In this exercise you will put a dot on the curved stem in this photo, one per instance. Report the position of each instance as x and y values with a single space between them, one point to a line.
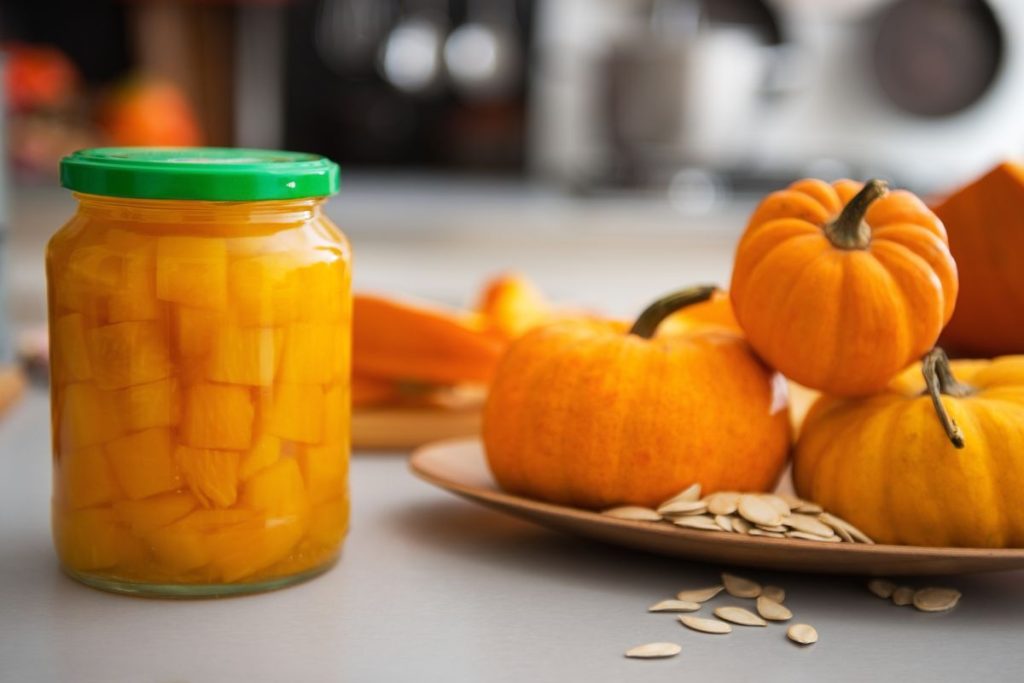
647 324
848 230
939 380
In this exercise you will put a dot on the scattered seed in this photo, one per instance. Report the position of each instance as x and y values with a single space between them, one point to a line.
777 502
809 525
803 634
837 523
792 501
705 625
809 508
740 525
844 534
902 596
813 537
633 513
691 493
774 593
724 522
683 507
883 588
758 511
674 606
696 522
739 587
778 528
772 610
936 599
654 651
768 534
723 502
738 615
699 594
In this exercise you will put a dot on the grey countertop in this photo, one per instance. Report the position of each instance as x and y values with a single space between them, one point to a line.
432 588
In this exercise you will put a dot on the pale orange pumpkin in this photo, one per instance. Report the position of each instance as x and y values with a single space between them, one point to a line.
842 286
593 414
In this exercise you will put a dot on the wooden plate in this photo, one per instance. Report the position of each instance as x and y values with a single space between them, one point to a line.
460 467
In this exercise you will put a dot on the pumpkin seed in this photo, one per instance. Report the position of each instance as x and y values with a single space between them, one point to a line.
774 593
691 493
792 501
936 599
813 537
779 529
758 511
809 508
634 513
738 615
700 594
683 507
902 596
803 634
768 534
772 610
844 534
883 588
809 525
723 502
740 525
837 523
705 625
739 587
696 522
674 606
777 502
724 521
654 651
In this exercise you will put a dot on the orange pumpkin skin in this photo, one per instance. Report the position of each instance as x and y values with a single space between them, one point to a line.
985 221
584 414
842 319
885 464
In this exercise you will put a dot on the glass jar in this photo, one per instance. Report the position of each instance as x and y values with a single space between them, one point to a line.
200 334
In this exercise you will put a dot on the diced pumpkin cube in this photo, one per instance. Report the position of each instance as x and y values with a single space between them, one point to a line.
325 471
277 491
146 515
143 463
192 271
265 452
70 355
242 551
87 416
211 475
295 412
195 330
178 548
218 416
314 353
262 291
91 539
84 478
135 298
96 269
324 289
157 404
328 522
337 414
129 353
244 355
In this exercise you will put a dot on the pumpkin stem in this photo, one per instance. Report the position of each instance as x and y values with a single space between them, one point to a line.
848 230
647 324
939 380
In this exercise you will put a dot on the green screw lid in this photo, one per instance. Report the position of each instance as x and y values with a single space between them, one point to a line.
203 173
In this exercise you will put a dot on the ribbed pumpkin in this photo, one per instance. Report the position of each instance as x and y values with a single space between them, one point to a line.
842 286
592 414
938 467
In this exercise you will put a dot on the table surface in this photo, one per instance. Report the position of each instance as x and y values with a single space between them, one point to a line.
434 588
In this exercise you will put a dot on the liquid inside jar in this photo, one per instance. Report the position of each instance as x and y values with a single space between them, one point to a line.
200 389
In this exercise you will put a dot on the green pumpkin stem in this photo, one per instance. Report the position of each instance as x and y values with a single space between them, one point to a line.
848 230
647 324
939 380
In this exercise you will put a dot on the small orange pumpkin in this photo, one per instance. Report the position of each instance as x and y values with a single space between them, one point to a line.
592 414
842 286
938 467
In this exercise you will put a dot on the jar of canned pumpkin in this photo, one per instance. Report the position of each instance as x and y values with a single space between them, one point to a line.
200 333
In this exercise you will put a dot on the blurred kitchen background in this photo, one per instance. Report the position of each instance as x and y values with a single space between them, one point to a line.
610 149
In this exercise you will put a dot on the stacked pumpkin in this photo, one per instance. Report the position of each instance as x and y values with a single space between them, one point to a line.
843 288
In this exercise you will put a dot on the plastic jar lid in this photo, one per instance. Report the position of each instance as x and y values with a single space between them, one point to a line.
202 173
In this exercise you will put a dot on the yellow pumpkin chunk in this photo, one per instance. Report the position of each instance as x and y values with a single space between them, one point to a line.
146 515
211 475
192 271
337 410
218 416
278 491
296 412
314 353
328 522
264 452
92 539
242 551
143 463
129 353
70 356
94 270
143 406
321 286
325 471
87 416
244 355
85 478
195 330
135 298
262 291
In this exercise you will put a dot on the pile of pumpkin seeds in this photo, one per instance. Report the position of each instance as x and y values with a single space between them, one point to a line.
770 608
754 514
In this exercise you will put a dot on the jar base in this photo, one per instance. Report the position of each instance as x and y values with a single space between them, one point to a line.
187 591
